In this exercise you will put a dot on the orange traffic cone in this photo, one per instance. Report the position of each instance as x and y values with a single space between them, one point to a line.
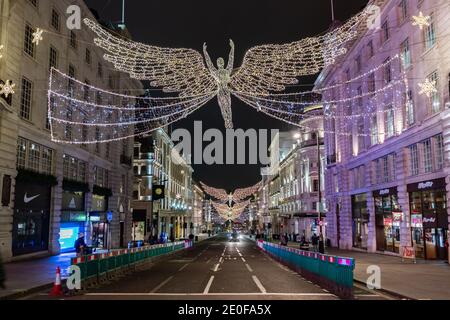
57 287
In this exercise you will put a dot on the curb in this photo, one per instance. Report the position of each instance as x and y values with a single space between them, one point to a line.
26 292
389 292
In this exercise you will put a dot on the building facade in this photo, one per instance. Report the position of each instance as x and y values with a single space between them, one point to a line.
161 164
388 151
50 191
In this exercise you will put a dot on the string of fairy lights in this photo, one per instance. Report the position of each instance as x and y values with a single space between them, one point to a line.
78 116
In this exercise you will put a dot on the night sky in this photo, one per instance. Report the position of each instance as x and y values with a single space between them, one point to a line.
190 23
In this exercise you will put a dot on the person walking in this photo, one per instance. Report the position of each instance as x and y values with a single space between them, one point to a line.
80 244
315 242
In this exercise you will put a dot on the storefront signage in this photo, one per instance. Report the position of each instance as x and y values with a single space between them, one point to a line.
72 201
32 196
429 220
425 185
98 203
385 192
408 252
398 216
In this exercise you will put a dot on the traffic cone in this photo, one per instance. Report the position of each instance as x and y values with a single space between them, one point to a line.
57 287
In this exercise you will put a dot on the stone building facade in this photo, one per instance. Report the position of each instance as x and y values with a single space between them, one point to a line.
387 178
51 191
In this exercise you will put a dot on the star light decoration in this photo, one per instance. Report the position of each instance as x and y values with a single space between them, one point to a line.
421 20
265 69
37 36
236 196
7 88
428 88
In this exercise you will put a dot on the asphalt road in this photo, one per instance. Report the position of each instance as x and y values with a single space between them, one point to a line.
214 269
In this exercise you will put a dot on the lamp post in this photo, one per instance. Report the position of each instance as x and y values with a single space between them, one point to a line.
319 170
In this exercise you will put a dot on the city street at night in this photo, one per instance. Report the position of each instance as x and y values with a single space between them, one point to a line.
208 159
215 269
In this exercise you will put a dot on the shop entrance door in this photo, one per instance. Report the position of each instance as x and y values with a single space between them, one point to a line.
441 238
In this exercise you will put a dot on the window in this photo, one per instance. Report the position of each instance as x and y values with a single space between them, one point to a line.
385 31
73 39
385 164
371 83
71 86
88 57
97 138
427 156
29 47
100 70
370 51
413 160
389 123
387 71
374 129
410 114
33 156
55 20
403 7
53 59
25 103
435 98
74 169
430 34
439 146
405 53
358 63
361 137
52 107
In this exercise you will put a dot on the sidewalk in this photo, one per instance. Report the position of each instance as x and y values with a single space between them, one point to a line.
24 276
427 279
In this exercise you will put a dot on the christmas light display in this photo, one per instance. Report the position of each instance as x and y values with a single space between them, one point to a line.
37 36
230 212
265 68
421 20
236 196
428 88
82 114
1 51
7 88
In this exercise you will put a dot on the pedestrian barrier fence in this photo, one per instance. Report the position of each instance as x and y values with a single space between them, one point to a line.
330 272
95 268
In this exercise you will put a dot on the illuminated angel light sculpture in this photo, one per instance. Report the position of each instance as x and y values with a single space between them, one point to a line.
265 69
230 212
236 196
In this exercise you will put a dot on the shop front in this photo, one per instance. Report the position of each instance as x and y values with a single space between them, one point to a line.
98 222
388 217
360 221
138 228
73 219
429 218
31 219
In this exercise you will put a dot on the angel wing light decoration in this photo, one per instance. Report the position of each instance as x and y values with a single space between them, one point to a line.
237 196
265 69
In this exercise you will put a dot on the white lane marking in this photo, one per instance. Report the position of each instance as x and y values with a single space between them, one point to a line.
248 267
183 267
216 267
259 284
243 260
161 284
208 286
221 260
210 294
209 260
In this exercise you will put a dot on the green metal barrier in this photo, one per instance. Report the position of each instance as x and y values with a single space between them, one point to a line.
96 266
331 272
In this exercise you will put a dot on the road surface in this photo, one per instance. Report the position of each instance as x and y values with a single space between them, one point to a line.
214 269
